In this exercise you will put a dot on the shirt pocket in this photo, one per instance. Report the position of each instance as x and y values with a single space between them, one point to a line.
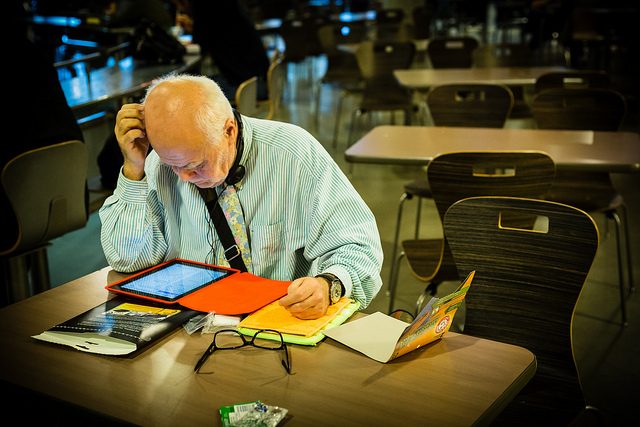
267 246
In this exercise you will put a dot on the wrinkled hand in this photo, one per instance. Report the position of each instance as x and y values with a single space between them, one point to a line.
132 139
307 298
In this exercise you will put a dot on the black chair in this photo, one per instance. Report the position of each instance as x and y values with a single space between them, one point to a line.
46 188
452 52
474 105
421 17
508 55
342 71
455 176
581 79
301 41
389 25
382 92
589 109
531 259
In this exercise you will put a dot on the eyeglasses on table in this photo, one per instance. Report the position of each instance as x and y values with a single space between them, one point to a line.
231 339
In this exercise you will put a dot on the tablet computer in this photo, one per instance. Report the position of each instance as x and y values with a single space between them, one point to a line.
171 280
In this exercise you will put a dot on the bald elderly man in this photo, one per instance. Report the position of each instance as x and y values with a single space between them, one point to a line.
304 220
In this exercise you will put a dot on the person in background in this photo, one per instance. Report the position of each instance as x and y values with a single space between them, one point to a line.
302 215
129 13
41 115
226 33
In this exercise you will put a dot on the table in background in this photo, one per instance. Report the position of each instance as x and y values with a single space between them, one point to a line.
126 78
425 78
569 149
457 381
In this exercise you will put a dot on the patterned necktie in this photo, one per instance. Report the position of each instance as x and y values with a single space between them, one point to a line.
233 213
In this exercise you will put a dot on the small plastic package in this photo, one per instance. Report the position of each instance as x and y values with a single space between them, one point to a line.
252 414
210 323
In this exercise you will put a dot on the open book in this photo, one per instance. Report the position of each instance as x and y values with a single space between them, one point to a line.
384 338
117 327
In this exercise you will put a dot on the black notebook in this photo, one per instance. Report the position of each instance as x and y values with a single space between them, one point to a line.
117 327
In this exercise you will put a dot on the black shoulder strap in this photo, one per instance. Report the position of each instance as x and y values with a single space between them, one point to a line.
231 250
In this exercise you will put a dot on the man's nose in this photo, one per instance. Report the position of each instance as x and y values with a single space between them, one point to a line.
184 174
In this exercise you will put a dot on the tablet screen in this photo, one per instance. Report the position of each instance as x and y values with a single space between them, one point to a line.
172 280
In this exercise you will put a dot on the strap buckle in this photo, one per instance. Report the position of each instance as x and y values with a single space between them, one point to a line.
234 256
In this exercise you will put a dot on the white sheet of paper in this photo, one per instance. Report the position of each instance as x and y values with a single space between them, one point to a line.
375 335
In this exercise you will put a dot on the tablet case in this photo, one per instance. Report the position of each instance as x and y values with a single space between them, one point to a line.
239 293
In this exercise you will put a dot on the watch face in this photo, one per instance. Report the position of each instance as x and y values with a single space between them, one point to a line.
336 291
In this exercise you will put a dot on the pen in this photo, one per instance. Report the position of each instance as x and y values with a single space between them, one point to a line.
203 358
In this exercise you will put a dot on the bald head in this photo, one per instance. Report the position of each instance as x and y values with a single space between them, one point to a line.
183 109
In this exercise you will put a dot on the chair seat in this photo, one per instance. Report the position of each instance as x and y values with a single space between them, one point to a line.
418 188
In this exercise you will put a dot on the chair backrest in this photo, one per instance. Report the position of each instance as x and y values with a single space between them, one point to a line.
276 80
296 37
525 290
246 98
452 52
421 17
333 34
340 63
573 80
503 55
481 105
378 59
392 15
579 109
456 176
389 25
46 190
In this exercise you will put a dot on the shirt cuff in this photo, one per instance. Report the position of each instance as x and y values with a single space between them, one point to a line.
131 191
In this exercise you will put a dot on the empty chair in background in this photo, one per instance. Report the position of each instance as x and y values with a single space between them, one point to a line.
342 70
389 25
472 105
597 110
46 190
452 52
508 55
581 79
455 176
382 92
421 17
246 99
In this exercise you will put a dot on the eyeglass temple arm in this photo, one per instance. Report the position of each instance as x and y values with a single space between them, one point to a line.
204 357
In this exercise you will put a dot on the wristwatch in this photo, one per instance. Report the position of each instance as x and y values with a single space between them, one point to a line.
336 289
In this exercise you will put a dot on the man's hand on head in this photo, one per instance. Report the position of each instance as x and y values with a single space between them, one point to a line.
132 139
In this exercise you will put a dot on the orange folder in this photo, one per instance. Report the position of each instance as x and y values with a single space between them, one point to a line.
201 287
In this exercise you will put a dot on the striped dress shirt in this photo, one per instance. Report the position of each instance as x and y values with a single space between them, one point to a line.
302 214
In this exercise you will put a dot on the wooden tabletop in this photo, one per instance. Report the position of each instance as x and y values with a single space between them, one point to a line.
457 381
578 150
424 78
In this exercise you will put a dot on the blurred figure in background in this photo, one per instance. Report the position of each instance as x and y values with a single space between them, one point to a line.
226 33
41 115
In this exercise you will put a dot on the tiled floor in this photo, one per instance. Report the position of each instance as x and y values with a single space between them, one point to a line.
606 353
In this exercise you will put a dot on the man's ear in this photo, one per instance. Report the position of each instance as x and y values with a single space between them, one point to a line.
230 128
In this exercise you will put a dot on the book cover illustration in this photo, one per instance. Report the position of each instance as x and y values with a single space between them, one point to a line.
117 327
384 338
